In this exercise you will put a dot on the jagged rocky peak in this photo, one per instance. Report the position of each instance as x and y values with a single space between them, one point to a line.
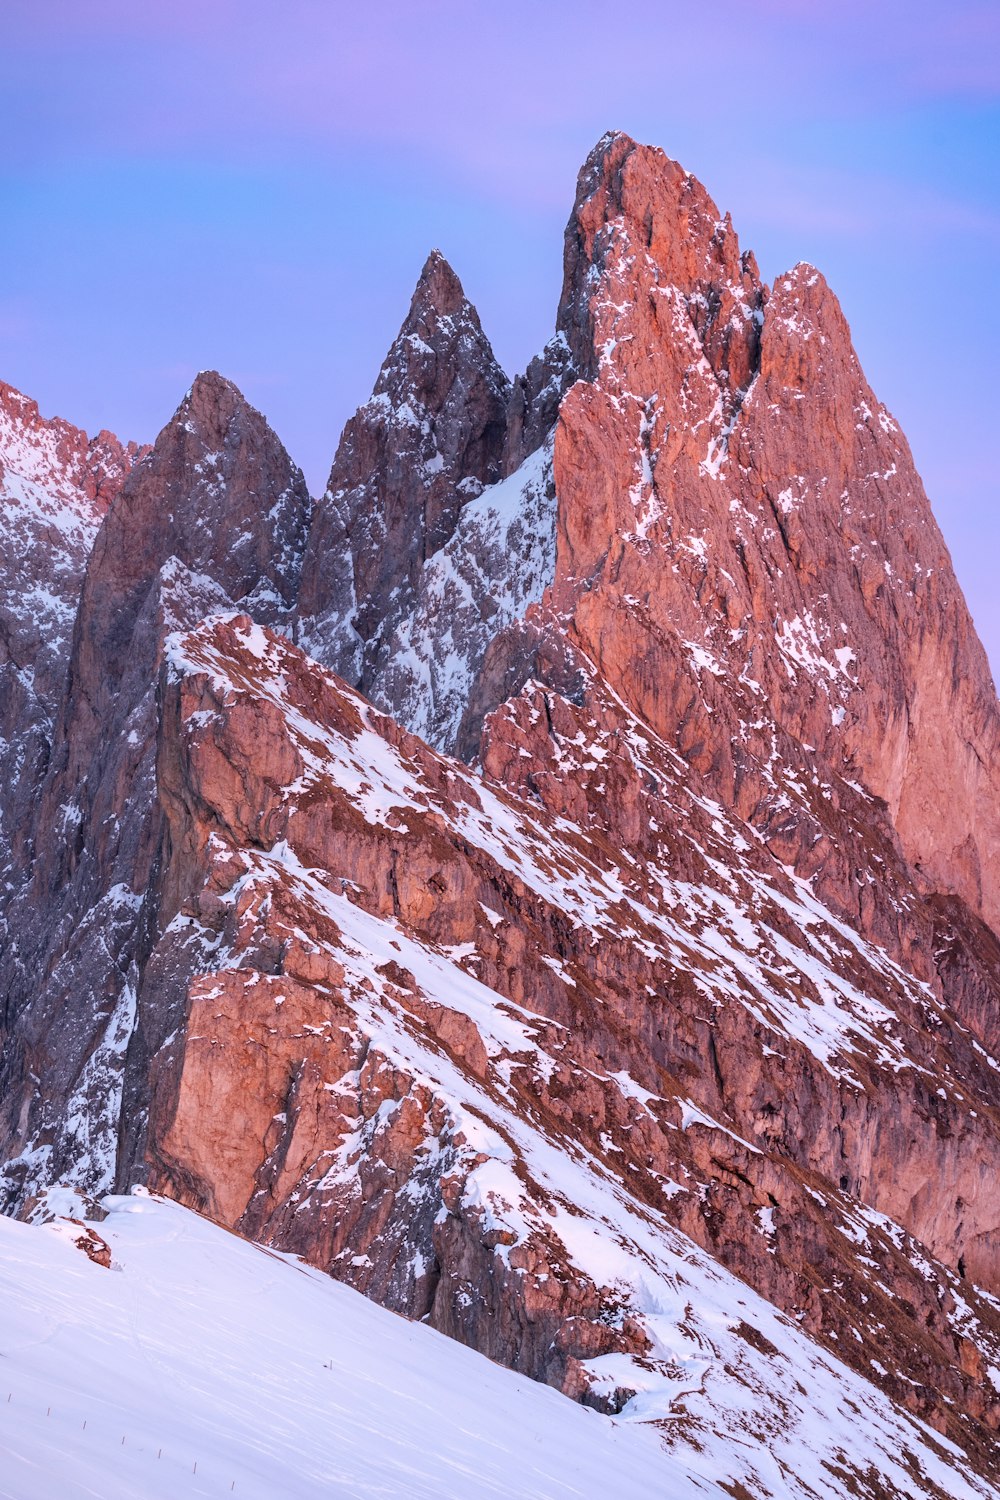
217 513
427 441
741 534
216 516
450 396
55 486
681 985
439 357
238 506
60 459
437 295
443 422
643 227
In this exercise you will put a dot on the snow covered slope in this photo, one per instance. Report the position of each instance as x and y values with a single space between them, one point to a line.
409 1060
498 562
231 1370
201 1365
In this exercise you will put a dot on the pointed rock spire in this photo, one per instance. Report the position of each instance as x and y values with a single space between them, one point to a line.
216 516
428 440
647 248
438 291
725 461
219 494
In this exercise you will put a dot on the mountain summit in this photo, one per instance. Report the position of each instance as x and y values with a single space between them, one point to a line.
551 884
429 439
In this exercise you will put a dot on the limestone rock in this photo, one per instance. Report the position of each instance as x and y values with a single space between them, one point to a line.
216 514
740 529
430 438
55 486
382 974
688 971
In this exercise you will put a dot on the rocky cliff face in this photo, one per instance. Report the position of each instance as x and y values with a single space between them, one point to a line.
652 1049
758 549
55 486
437 529
430 439
423 1014
216 514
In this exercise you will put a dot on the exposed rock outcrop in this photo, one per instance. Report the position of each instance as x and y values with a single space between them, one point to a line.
437 529
742 540
55 487
217 514
698 964
397 1004
430 438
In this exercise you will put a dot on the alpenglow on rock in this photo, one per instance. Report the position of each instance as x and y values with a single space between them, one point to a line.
551 884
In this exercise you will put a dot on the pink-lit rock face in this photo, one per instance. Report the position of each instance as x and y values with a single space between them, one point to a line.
742 536
687 968
400 1006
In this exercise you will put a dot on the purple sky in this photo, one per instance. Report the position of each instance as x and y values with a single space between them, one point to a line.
253 186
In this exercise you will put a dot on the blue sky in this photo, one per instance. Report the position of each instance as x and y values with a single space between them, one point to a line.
253 187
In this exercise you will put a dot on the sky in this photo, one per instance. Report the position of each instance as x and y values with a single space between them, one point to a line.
252 187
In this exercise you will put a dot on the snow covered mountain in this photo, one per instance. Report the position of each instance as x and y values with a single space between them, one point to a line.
603 968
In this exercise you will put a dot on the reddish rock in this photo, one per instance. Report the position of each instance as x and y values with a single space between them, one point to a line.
695 977
93 1246
741 532
704 1049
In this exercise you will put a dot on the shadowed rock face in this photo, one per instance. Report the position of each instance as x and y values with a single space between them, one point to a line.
220 496
697 968
430 439
438 526
55 487
216 514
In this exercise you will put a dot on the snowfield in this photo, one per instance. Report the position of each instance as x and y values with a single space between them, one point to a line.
228 1369
202 1365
